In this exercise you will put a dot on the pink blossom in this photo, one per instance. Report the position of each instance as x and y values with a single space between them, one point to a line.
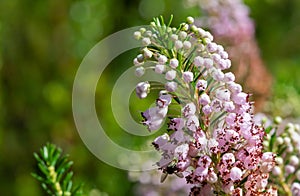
188 110
192 123
240 98
207 109
201 85
223 94
161 140
176 124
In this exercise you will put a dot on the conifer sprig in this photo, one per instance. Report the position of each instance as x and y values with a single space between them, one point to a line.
54 172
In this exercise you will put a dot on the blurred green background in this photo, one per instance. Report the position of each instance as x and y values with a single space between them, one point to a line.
42 44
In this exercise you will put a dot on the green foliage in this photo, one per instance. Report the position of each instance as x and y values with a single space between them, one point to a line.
54 172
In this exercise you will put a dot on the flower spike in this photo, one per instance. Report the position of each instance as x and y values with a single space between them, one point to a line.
213 142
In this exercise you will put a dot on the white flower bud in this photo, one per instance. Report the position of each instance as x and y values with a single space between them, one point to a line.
212 177
190 20
162 59
240 98
276 171
136 62
229 106
217 74
188 76
223 94
139 71
200 47
223 54
198 61
294 160
137 35
174 37
140 58
229 77
174 63
171 86
236 173
182 35
206 40
178 44
212 47
216 57
208 63
204 99
142 30
289 169
220 49
187 45
159 68
209 36
277 120
170 75
279 160
287 140
279 140
201 32
289 125
148 33
234 87
146 41
224 64
147 53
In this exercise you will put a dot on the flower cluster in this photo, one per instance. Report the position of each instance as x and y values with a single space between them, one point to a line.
212 140
284 139
231 25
